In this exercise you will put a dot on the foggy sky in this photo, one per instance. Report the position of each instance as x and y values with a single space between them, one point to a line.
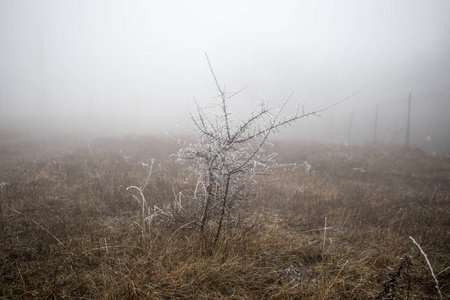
135 66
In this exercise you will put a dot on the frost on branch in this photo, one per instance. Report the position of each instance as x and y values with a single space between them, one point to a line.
230 152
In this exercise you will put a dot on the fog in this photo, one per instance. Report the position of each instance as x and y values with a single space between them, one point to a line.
120 67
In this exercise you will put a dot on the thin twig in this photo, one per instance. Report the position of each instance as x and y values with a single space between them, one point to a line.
324 237
149 174
448 268
213 74
429 266
40 226
334 281
106 246
235 93
434 193
340 101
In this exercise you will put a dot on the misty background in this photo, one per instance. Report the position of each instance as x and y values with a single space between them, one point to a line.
119 67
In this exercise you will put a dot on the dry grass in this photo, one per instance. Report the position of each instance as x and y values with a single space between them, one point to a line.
75 235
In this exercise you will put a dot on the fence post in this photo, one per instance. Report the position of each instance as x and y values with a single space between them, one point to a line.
409 119
376 125
350 129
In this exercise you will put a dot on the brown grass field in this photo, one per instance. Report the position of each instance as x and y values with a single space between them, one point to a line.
70 229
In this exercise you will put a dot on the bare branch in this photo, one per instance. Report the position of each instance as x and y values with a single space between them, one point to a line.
213 74
340 101
40 226
429 266
235 93
230 152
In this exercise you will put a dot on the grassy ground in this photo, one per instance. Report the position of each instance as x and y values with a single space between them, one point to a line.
70 229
